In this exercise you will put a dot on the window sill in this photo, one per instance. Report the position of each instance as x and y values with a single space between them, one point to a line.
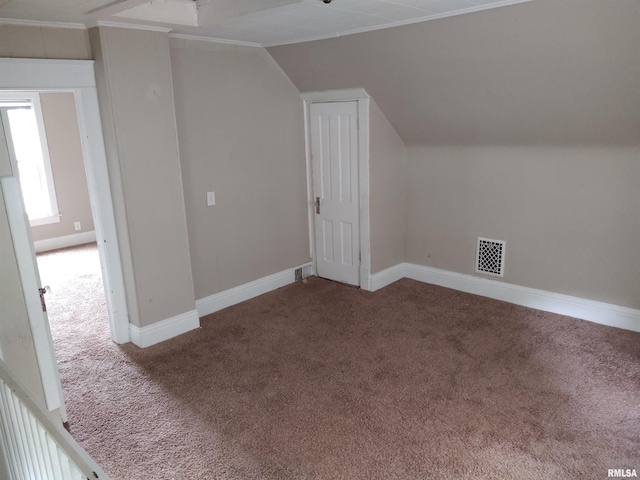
36 222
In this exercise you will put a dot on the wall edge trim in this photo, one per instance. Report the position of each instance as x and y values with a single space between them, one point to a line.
184 36
164 329
388 276
64 241
593 311
133 26
42 23
226 298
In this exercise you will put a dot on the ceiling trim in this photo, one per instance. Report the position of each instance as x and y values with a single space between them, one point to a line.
40 23
134 26
214 40
426 18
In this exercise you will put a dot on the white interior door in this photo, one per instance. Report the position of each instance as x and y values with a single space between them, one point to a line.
334 159
28 268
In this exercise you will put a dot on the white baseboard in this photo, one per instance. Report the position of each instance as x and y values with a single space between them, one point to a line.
65 241
597 312
218 301
387 277
164 330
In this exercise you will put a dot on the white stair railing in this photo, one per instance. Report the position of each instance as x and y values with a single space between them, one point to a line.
35 447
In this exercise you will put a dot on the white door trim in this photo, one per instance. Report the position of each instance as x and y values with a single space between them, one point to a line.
362 97
78 76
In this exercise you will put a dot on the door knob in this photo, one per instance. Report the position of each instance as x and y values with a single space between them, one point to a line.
316 204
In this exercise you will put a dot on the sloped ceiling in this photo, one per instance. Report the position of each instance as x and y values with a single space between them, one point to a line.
545 72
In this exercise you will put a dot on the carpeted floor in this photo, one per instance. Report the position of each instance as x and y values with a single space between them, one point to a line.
324 381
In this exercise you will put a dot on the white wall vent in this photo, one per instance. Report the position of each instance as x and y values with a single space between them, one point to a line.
490 257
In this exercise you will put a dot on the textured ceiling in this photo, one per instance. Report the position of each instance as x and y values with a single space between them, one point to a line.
260 22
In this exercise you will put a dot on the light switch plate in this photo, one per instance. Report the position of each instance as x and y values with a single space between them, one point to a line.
211 198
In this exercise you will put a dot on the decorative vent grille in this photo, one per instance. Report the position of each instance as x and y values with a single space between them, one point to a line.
490 259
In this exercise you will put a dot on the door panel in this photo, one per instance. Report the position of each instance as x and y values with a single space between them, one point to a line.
327 241
347 243
30 279
28 268
334 150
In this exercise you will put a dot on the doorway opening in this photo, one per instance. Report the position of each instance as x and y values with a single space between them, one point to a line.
346 239
77 78
45 150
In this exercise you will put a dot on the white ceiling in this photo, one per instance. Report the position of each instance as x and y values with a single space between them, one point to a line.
246 21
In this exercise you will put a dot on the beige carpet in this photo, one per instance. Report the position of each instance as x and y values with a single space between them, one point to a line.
323 381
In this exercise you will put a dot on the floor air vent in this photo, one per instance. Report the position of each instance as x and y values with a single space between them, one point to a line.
490 259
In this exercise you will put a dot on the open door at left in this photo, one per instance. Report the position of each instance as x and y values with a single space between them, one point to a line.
19 232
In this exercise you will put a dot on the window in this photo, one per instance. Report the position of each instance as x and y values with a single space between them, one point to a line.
27 142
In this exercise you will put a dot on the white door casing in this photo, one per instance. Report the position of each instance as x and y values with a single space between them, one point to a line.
334 158
77 76
361 97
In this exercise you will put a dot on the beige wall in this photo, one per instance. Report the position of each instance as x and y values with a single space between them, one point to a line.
388 186
116 182
22 41
136 102
16 339
67 165
240 125
521 124
537 73
570 216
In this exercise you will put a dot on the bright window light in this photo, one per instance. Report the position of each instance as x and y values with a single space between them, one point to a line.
27 146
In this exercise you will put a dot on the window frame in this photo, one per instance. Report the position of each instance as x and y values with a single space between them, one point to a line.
34 99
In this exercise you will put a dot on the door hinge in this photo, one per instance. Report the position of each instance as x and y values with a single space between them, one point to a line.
42 291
